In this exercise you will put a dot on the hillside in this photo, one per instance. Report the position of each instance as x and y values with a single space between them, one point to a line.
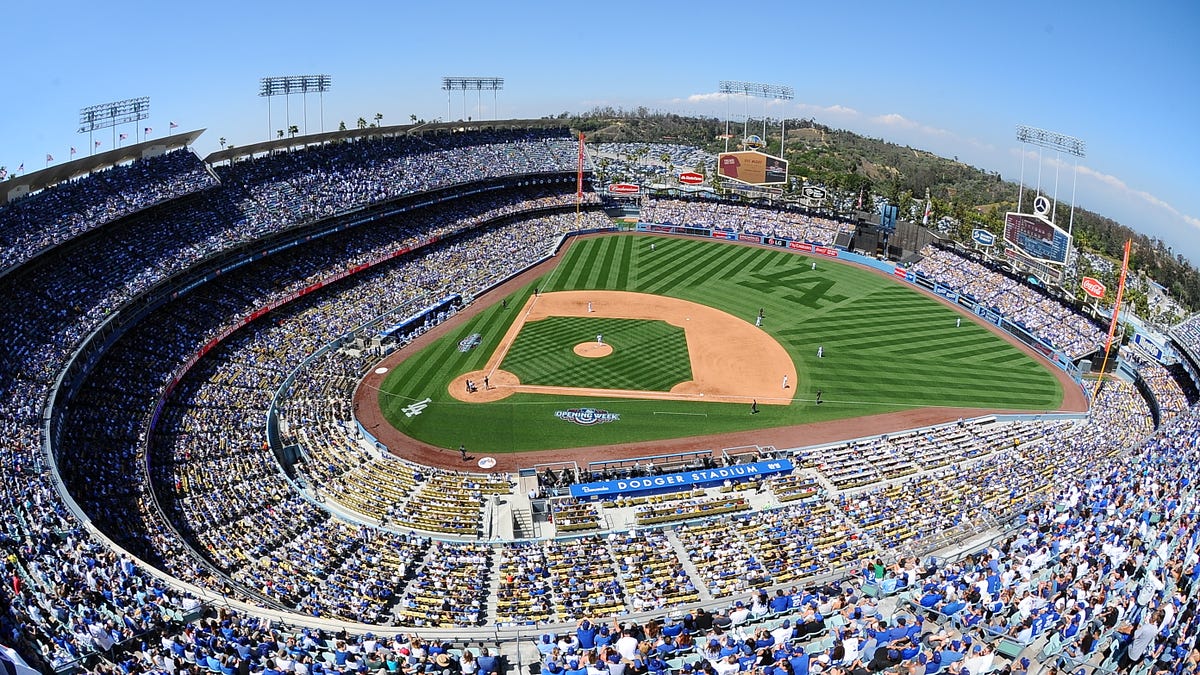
853 164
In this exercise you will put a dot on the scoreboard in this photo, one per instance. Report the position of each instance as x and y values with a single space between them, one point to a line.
752 167
1037 237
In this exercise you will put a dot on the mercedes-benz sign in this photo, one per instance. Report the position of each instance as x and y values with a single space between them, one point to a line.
813 192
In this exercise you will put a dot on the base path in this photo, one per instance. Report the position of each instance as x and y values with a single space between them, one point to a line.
732 360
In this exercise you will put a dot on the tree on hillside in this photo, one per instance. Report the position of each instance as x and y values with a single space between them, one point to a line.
362 123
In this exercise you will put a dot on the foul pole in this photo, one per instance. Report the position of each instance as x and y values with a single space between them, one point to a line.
1112 328
579 182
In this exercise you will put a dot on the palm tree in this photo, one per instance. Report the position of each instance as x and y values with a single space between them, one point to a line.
362 123
378 119
279 133
221 140
342 125
293 130
413 118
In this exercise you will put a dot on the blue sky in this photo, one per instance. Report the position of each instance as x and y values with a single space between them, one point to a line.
951 77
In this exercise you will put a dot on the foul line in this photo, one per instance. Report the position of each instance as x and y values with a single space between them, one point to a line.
661 412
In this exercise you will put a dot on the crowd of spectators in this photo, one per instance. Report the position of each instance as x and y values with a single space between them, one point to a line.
767 222
221 489
1044 317
645 162
1187 333
52 307
39 221
1163 385
1116 532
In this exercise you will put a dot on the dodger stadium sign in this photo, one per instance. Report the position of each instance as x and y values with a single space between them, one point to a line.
586 416
671 481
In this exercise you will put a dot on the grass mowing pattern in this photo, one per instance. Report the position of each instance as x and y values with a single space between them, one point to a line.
887 347
647 355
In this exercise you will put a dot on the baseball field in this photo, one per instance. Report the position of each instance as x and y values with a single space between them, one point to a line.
634 338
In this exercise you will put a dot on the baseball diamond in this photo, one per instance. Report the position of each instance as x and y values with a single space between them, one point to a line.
544 354
886 349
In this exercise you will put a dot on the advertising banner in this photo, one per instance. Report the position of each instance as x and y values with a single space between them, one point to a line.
753 168
700 477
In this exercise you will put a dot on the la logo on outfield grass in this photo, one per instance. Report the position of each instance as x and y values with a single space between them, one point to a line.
416 408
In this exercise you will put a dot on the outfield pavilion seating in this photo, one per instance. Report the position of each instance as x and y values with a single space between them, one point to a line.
1167 392
643 162
1046 318
798 225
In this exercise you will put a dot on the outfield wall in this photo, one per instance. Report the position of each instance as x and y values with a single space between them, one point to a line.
1013 328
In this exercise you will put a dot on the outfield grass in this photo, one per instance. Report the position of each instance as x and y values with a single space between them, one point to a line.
887 347
647 355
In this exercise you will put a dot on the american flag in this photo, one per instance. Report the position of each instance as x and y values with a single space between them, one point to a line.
21 168
124 136
72 150
148 130
97 144
49 158
3 173
174 126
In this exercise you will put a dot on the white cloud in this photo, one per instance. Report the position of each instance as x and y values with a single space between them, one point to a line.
1118 184
835 110
711 97
898 121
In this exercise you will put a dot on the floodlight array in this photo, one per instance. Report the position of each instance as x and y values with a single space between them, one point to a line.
107 115
758 89
1051 140
294 84
472 83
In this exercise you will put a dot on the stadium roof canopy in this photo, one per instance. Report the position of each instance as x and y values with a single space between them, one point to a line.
19 186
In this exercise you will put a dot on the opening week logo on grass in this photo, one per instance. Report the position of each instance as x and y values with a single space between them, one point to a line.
586 416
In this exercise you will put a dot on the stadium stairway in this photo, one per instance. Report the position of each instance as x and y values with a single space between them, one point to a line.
689 566
522 527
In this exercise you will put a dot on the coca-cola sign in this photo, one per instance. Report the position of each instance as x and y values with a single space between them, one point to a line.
691 178
1093 287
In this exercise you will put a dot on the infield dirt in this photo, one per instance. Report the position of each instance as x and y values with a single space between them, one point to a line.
732 360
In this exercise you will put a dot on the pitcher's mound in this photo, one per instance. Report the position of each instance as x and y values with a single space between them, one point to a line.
593 350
